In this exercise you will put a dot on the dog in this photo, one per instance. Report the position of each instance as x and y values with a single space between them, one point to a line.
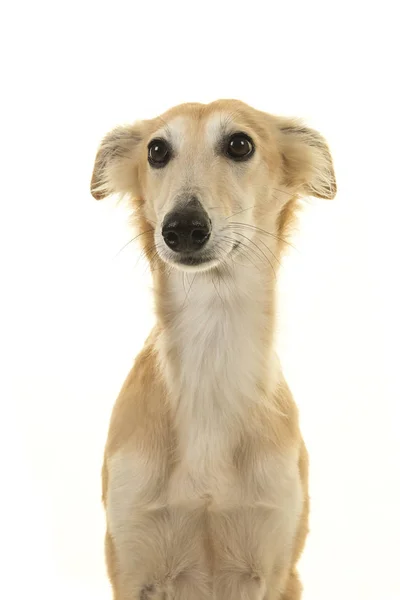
205 469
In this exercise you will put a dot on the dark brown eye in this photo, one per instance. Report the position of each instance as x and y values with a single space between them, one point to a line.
240 146
158 153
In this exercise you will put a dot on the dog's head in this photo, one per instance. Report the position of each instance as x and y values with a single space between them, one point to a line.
207 180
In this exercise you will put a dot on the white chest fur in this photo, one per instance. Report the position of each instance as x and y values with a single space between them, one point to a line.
220 338
218 335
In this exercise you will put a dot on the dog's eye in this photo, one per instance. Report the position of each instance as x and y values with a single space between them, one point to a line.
158 153
240 146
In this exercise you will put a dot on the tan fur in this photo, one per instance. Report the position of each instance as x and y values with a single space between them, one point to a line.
205 470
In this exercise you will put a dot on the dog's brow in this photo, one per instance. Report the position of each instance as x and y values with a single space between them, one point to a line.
217 125
173 131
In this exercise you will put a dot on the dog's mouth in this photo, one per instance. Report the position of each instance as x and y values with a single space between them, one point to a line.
192 262
199 261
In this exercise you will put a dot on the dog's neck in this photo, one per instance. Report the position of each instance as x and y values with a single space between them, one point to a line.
216 340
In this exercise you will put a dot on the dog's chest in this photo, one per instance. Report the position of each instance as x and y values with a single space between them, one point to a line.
216 482
218 340
213 358
265 494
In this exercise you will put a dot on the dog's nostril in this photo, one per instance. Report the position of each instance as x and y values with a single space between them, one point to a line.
199 236
171 238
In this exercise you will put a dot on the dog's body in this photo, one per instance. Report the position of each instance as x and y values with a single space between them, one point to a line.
205 470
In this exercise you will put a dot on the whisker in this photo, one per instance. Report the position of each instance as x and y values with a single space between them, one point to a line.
143 253
135 216
188 292
154 256
269 250
132 240
167 127
248 253
263 231
219 295
239 212
284 192
259 249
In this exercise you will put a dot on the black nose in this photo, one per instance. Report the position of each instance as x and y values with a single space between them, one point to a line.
187 228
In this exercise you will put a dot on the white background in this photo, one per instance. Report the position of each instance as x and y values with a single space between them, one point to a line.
74 314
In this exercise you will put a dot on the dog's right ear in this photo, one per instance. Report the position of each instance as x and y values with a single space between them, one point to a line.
308 166
116 164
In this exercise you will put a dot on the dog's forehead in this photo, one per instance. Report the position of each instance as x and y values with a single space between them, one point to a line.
206 128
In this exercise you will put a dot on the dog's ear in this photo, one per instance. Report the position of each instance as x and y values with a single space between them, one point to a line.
116 164
307 161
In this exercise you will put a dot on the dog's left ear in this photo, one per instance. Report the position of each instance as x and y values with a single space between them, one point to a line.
308 166
116 164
